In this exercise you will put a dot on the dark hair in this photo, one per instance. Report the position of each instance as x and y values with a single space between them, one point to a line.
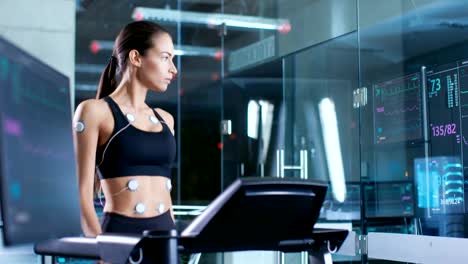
134 36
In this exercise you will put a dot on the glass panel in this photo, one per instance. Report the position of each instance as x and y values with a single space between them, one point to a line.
321 127
251 100
320 123
252 89
286 108
199 93
413 63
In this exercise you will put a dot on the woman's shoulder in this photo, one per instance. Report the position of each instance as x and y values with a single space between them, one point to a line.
167 118
92 107
165 115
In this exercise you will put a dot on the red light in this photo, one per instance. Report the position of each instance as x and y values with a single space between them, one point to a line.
218 55
138 16
215 76
233 136
94 47
220 146
284 29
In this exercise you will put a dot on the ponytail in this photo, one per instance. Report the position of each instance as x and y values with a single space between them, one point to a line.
108 82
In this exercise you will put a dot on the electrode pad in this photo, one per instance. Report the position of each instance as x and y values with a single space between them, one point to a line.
161 207
140 208
168 185
154 120
132 185
79 126
130 117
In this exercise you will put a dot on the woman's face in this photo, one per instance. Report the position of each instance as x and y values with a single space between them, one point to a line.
157 68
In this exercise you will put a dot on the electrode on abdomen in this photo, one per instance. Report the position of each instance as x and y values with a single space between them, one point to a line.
132 185
140 208
168 185
161 207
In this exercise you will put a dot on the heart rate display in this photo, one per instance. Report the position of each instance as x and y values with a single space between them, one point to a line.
445 127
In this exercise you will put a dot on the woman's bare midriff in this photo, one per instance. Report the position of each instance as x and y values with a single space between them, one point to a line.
152 190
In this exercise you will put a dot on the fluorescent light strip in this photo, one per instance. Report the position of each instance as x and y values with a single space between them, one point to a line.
252 119
86 87
332 144
89 68
192 210
189 207
210 19
185 50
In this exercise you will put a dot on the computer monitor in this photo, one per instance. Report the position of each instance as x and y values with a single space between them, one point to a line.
39 194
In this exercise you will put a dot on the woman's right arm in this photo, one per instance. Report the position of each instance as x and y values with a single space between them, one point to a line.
86 142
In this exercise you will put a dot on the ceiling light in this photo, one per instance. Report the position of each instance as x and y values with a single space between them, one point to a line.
211 19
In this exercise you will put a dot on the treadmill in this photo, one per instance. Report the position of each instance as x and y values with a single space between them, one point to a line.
274 214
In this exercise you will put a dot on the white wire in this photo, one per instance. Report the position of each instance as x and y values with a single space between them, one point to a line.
102 160
119 192
329 250
107 145
130 258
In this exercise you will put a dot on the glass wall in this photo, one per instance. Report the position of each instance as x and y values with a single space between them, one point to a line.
412 58
321 126
252 88
288 98
392 75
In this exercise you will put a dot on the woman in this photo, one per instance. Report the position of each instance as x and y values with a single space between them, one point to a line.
129 145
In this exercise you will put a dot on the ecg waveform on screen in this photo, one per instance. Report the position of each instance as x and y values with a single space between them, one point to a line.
400 111
397 110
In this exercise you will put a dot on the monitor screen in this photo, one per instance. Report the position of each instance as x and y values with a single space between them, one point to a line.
397 110
440 184
39 194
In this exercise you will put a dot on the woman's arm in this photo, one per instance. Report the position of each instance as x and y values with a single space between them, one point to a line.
87 113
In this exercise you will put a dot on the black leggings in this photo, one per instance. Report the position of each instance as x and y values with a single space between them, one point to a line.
117 223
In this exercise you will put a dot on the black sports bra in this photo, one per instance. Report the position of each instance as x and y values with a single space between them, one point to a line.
131 151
